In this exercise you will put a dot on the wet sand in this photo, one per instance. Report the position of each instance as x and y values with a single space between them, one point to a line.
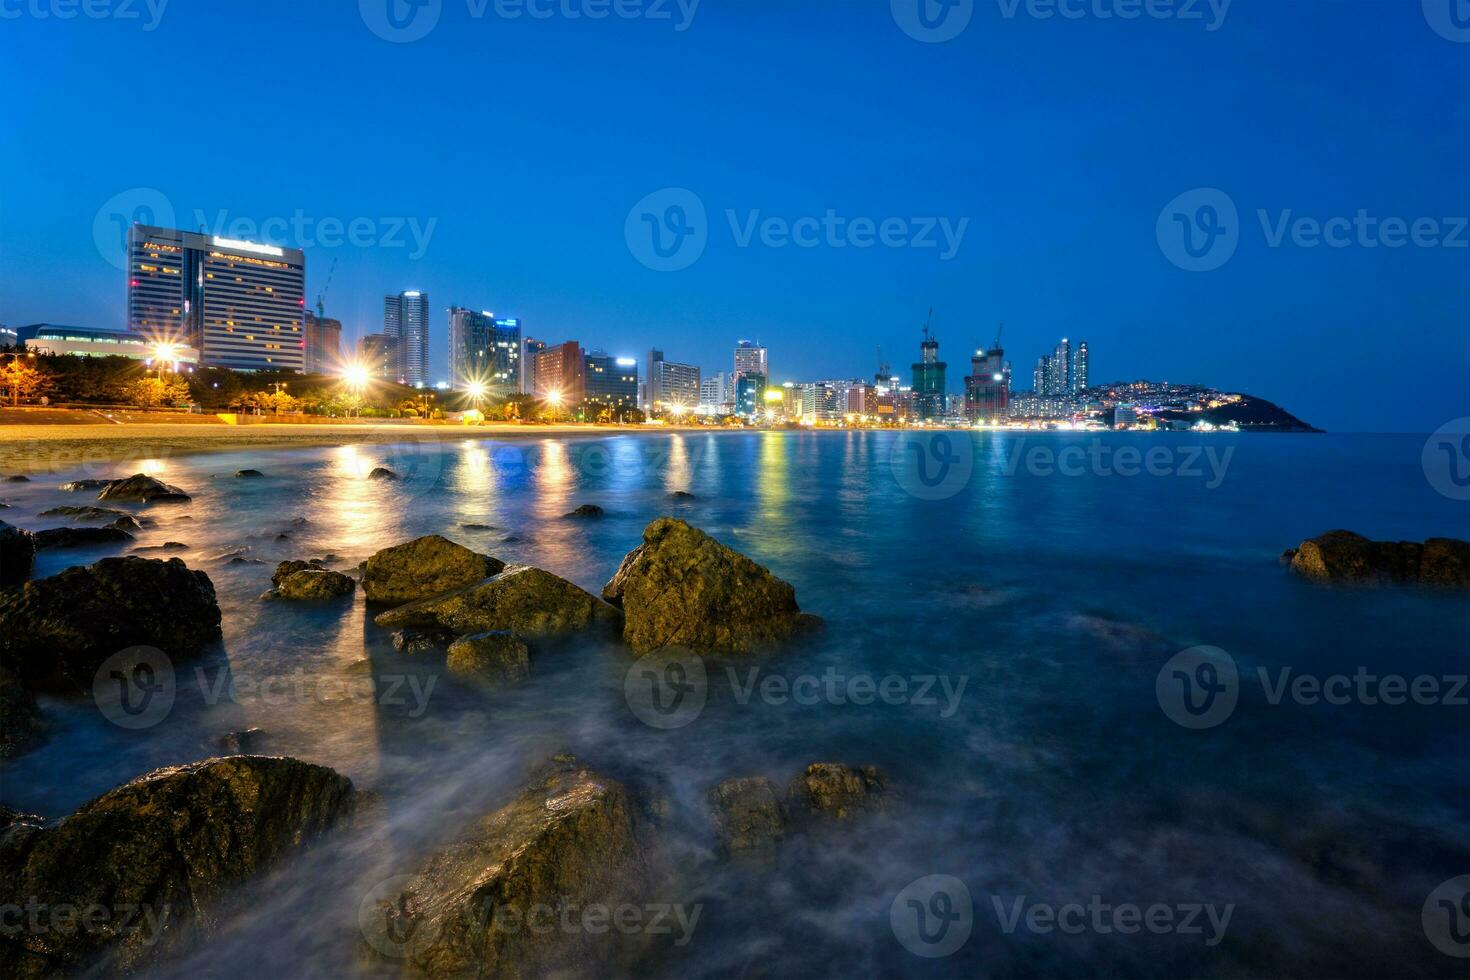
43 449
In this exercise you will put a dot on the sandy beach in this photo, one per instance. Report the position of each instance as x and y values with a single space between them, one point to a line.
43 449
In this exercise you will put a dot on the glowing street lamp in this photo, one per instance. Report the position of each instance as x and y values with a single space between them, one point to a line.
356 376
166 354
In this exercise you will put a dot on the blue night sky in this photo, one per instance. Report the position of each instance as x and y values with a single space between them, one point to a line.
526 142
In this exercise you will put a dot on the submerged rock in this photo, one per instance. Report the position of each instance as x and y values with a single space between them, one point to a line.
128 522
1345 557
57 631
171 844
499 657
315 585
144 489
419 641
20 721
747 814
837 792
287 568
248 474
682 588
567 842
78 537
76 486
247 742
18 478
423 568
587 510
17 555
525 600
85 513
166 546
382 473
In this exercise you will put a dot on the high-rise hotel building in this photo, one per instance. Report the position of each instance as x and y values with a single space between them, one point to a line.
406 316
240 304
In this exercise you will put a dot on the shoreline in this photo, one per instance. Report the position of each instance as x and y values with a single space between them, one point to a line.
44 448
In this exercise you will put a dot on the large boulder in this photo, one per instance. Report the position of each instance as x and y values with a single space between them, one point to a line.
55 632
833 791
166 849
20 722
423 568
569 842
143 489
17 555
85 513
525 600
314 585
1345 557
747 814
499 657
682 588
79 537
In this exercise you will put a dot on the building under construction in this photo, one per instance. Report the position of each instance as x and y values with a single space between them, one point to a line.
929 383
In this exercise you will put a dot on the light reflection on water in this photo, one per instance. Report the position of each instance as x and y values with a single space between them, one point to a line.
1057 777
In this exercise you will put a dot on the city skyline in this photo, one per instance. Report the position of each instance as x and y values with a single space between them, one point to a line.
1061 238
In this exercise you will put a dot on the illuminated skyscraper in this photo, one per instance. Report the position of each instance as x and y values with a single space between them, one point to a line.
240 304
671 383
929 380
406 316
751 359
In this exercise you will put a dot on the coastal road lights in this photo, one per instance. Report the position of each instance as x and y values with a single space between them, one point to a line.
554 399
166 355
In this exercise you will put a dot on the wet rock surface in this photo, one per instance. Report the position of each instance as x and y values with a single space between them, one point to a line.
382 473
747 813
682 588
494 658
85 513
524 600
587 510
420 641
55 632
17 555
829 790
569 839
423 568
172 844
20 720
144 489
1346 557
315 585
78 537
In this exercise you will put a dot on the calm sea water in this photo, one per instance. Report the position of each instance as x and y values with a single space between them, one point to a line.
1053 776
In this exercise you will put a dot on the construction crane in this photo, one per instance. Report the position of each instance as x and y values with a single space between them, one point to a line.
321 297
1000 328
